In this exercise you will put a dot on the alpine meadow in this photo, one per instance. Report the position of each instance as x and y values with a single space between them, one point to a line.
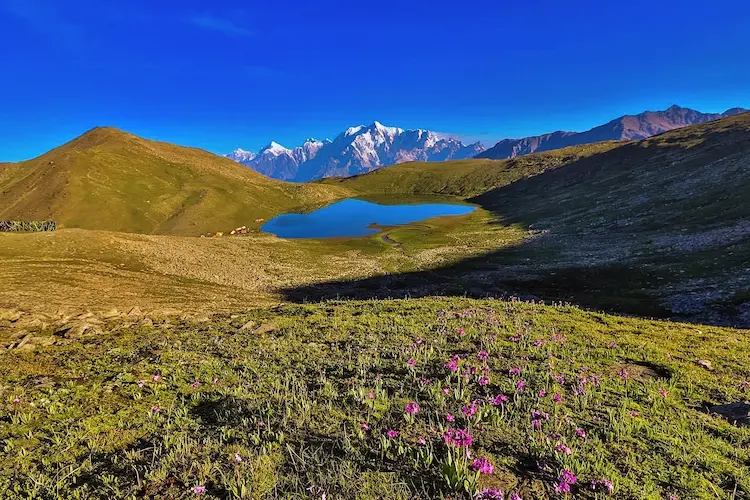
559 315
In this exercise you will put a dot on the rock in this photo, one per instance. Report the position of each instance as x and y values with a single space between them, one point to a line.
135 312
11 316
147 322
24 341
248 326
705 364
112 313
77 329
265 328
736 413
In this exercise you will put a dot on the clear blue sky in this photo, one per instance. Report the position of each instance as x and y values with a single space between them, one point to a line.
226 73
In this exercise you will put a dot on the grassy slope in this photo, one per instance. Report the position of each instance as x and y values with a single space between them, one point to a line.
288 395
108 179
674 206
463 178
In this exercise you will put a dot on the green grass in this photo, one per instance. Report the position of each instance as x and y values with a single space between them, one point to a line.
462 178
111 180
288 395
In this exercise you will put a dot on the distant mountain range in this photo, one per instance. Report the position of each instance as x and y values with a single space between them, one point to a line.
357 150
628 127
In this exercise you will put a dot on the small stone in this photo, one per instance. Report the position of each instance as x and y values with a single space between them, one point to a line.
135 312
112 313
705 364
248 326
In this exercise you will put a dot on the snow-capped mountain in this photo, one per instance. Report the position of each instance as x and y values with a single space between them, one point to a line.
241 156
355 151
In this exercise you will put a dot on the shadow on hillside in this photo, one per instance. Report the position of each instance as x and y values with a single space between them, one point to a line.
542 269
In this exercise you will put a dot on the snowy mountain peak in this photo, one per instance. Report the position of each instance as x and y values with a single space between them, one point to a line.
357 150
353 130
275 149
240 155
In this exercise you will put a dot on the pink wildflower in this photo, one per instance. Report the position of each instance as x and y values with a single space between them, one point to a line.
391 433
567 476
411 408
425 381
461 331
370 395
450 418
364 427
237 458
141 383
515 496
634 413
520 385
446 391
469 410
483 355
542 393
623 373
411 363
562 488
557 398
195 384
483 465
156 378
16 401
483 380
663 393
199 490
500 399
458 438
490 494
581 433
561 448
155 409
422 441
515 371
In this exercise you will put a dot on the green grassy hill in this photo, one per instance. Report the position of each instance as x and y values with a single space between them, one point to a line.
462 178
109 179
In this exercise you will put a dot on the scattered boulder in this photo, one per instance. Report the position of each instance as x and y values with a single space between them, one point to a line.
77 329
248 326
735 413
266 328
705 364
112 313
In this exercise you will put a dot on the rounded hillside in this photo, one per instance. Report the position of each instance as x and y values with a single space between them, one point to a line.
113 180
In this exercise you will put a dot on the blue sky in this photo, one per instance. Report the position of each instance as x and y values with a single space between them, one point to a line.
231 73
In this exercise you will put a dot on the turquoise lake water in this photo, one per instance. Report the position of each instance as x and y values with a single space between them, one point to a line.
354 217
